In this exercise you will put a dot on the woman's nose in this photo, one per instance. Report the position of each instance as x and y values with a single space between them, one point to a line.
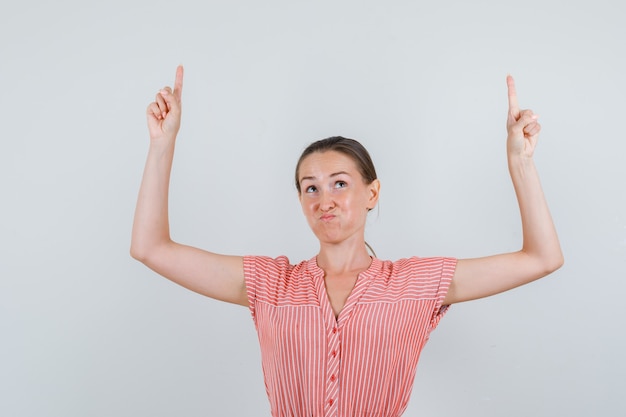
326 201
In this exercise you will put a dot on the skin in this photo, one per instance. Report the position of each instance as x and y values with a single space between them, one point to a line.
541 252
335 200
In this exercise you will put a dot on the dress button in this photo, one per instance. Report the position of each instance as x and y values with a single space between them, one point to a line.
331 401
334 330
333 353
333 378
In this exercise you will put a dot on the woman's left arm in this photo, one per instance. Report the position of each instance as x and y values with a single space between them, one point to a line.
541 252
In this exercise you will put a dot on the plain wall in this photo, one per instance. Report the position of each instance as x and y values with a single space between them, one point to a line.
87 331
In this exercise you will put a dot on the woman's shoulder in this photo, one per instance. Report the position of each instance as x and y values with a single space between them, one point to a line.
415 266
416 261
275 280
414 277
279 265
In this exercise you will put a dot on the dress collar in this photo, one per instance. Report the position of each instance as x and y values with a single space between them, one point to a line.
360 287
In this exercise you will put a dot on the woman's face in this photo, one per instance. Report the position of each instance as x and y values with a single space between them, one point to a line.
334 197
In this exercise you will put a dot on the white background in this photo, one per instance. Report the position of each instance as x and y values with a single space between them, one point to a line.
87 331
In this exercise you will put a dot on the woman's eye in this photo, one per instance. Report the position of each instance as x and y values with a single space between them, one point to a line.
340 184
311 189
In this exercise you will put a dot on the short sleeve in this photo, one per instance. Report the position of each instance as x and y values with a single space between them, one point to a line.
262 276
250 277
448 266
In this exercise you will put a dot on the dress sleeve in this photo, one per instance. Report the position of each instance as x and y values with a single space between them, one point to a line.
448 266
250 276
263 276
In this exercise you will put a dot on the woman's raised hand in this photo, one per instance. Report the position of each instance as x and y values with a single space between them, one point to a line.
165 111
522 126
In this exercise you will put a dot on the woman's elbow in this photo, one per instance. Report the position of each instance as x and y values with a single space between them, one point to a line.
553 262
149 252
140 251
137 253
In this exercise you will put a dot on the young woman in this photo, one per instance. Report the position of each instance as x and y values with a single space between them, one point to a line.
341 333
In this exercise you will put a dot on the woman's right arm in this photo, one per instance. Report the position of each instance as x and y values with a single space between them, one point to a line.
216 276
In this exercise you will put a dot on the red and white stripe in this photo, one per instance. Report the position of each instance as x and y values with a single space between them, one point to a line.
361 363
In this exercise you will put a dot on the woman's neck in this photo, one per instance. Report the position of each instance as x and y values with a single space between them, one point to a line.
341 258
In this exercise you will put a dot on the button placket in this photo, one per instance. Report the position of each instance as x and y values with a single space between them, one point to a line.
334 325
332 372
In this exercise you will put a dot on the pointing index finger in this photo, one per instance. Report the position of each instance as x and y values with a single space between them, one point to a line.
178 83
513 106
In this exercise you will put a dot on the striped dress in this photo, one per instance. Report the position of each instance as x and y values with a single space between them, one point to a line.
361 363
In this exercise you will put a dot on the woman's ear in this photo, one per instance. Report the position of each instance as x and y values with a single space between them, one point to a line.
374 190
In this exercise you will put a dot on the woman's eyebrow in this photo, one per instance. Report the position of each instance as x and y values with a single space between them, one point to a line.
334 174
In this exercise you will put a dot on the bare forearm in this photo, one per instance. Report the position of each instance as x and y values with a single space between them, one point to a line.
540 240
541 251
151 224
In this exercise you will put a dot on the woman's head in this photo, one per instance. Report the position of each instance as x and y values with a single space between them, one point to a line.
337 187
349 147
